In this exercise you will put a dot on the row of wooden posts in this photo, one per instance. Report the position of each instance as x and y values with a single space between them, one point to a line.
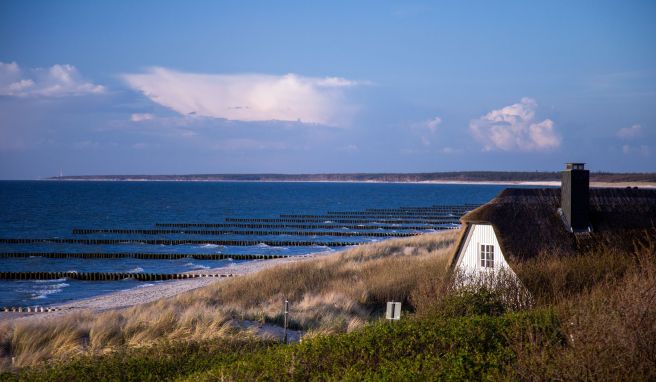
302 226
29 309
105 276
371 217
332 219
237 243
143 256
455 207
396 213
129 231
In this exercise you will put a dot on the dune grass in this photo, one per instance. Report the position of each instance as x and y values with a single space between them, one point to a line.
336 293
589 317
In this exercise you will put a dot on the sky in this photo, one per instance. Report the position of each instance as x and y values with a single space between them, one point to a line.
198 87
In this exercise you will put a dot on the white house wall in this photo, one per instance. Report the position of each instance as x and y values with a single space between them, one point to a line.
469 257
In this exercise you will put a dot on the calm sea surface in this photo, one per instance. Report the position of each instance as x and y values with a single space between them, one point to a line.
51 209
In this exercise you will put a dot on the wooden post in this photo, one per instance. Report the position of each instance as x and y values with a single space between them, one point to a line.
286 312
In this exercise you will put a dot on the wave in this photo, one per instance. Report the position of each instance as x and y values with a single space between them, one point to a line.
44 290
263 245
136 270
196 266
50 281
210 246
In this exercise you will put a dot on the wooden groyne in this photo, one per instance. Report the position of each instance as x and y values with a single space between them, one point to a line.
361 227
237 243
446 208
142 256
28 309
427 214
332 219
441 218
85 231
104 276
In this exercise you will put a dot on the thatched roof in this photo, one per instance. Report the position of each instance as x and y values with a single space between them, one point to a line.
527 222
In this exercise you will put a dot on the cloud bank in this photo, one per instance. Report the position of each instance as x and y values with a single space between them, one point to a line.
630 132
514 128
56 81
246 97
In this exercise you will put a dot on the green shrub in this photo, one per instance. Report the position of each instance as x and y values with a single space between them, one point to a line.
163 361
471 303
473 347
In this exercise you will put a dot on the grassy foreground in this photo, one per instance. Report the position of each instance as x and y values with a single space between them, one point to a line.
591 317
332 294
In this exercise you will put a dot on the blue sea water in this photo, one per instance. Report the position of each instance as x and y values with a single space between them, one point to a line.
51 209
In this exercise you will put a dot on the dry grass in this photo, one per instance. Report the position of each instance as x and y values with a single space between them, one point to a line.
336 293
330 292
610 330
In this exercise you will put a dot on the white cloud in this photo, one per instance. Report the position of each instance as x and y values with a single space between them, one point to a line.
246 97
642 150
514 128
56 81
630 132
140 117
433 124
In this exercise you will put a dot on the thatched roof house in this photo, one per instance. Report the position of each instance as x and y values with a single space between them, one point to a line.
523 223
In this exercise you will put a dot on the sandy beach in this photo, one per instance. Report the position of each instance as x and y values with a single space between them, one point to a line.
151 292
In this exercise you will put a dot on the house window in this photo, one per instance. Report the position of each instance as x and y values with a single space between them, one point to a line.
487 256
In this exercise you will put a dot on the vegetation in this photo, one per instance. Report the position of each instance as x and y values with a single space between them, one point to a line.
336 293
590 317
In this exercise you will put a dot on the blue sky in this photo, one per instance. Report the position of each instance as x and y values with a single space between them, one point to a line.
155 87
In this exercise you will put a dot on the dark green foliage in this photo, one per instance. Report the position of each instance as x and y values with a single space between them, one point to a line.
164 361
471 303
437 348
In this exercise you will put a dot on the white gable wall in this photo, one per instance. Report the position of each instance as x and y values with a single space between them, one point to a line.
469 258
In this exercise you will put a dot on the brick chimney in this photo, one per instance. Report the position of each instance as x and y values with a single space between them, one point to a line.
575 197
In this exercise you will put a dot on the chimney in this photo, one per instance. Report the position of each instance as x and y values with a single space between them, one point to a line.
575 197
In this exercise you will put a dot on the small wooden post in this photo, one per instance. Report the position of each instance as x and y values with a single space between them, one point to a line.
286 313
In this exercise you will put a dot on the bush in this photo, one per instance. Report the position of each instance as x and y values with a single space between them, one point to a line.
163 361
470 303
474 347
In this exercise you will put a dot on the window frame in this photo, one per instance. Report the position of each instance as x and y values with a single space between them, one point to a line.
486 255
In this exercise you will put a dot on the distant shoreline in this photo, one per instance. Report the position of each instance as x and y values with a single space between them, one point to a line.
620 184
536 178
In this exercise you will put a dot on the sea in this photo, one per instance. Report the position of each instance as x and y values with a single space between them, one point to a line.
52 209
